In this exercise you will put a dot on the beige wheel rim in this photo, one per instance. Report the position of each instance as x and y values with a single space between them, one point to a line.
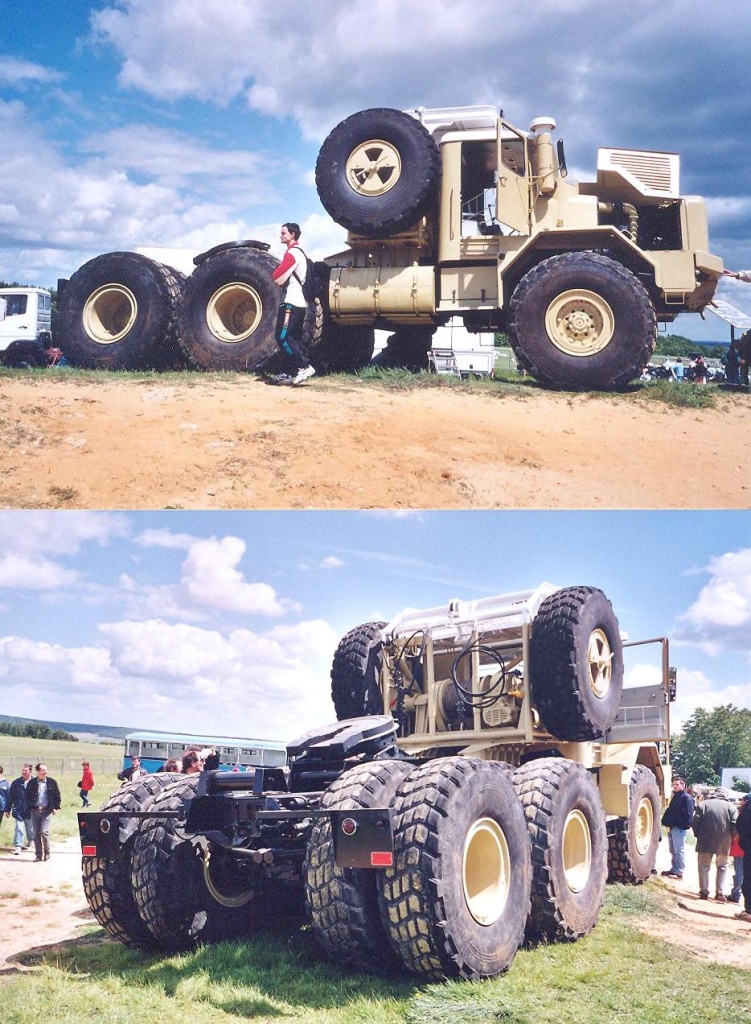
224 899
374 168
486 871
234 312
600 658
580 322
577 851
643 825
109 313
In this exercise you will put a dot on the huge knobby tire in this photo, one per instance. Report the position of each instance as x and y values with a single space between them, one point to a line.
355 671
343 348
107 883
227 315
582 321
378 172
633 841
117 312
457 899
343 902
566 823
407 349
576 663
169 882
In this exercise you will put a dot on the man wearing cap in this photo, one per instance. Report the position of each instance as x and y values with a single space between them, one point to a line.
677 820
713 823
43 798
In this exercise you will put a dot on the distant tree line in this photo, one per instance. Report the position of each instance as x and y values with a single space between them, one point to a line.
677 345
710 741
36 731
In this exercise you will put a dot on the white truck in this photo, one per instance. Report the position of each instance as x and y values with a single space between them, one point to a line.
25 326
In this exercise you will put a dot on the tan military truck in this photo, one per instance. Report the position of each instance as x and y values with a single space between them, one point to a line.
488 772
450 212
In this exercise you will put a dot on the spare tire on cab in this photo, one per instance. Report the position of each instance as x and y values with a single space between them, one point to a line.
378 172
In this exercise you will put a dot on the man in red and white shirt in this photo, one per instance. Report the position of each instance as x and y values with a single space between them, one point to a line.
290 274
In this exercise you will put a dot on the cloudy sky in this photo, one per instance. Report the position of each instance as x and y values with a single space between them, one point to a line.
185 123
227 622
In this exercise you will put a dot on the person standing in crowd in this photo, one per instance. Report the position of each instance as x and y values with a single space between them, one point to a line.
736 852
17 808
43 798
86 784
134 772
677 820
743 831
291 274
192 762
713 823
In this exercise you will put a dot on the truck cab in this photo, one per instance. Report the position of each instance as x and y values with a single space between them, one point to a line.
25 326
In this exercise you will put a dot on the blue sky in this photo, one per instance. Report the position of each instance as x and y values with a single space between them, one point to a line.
185 123
227 622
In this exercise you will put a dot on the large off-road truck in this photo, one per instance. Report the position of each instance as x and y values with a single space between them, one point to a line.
450 212
487 773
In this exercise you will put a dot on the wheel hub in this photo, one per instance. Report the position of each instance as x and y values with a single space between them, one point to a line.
580 322
224 896
109 313
643 826
234 312
577 851
373 168
486 871
600 658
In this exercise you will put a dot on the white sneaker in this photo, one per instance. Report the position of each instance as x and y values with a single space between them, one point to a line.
303 374
17 851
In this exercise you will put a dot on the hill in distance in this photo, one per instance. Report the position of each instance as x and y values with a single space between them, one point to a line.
84 731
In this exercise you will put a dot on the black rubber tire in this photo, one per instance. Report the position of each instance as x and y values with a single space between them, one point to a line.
407 348
226 318
396 196
577 698
117 312
633 842
167 878
355 687
343 349
107 883
634 324
459 830
342 903
566 895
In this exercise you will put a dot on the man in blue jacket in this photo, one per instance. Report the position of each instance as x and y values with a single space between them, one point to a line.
16 807
677 820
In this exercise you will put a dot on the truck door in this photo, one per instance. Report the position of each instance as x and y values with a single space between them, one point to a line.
512 190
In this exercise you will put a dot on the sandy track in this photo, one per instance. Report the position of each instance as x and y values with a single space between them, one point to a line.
212 442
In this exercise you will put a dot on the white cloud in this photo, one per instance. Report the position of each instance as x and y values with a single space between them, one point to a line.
33 573
33 545
180 677
720 617
15 72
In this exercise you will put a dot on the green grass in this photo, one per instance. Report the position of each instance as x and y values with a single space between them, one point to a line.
617 974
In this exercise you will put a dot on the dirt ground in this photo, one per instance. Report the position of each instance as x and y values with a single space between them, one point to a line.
210 442
42 905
